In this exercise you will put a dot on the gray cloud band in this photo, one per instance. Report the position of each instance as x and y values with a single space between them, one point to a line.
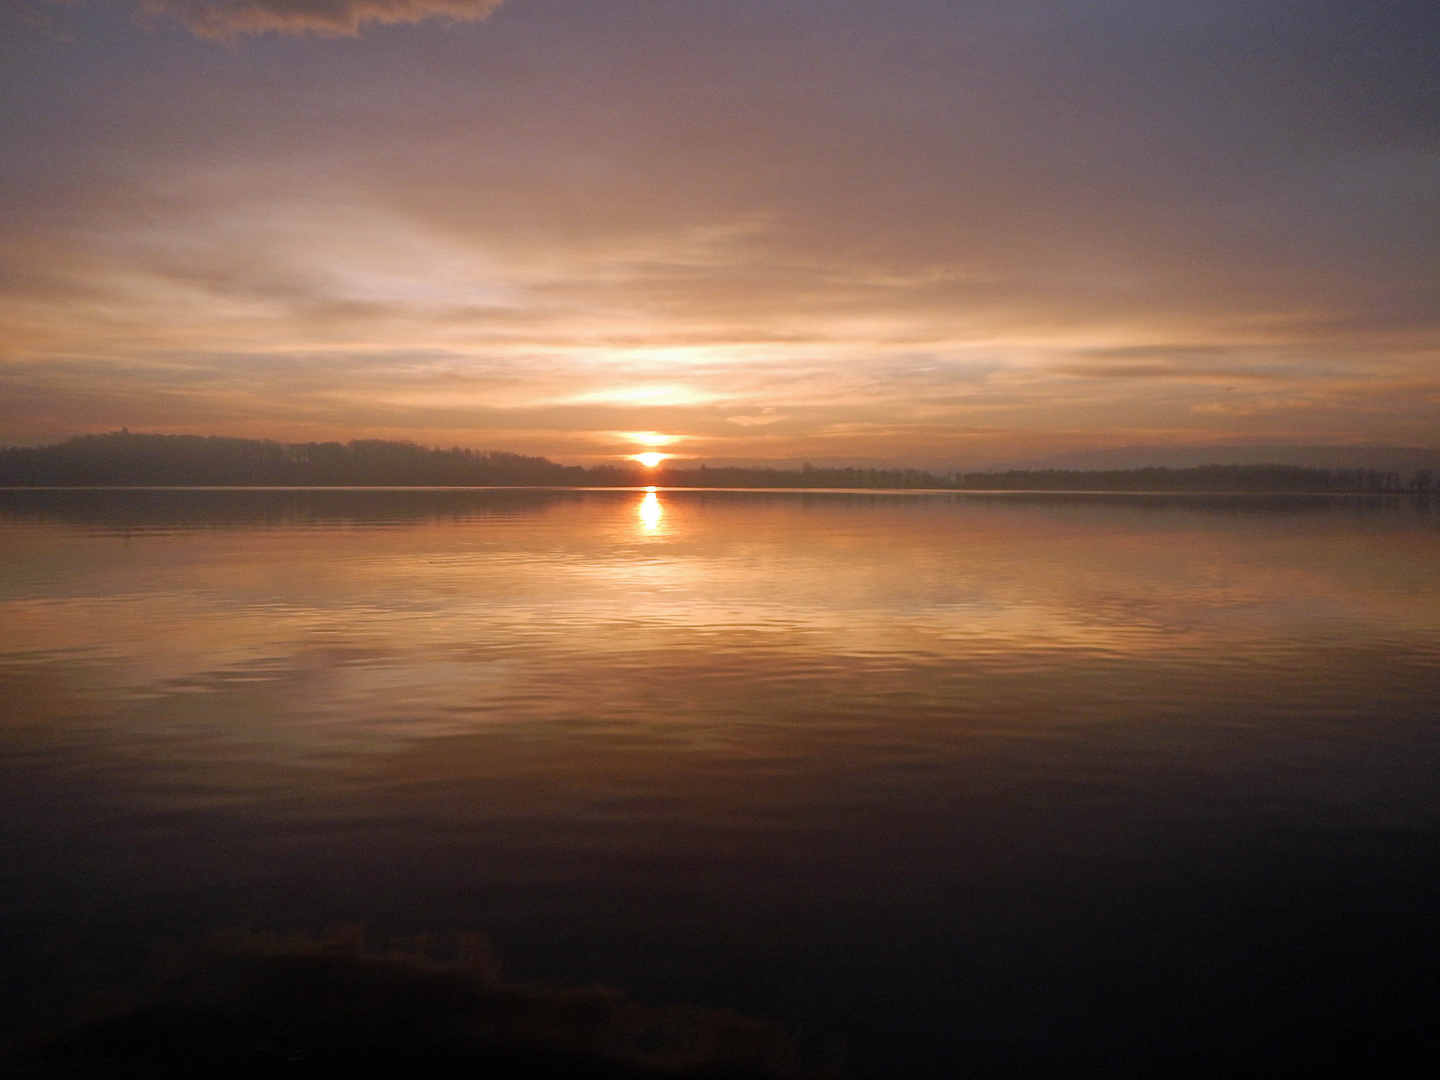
223 19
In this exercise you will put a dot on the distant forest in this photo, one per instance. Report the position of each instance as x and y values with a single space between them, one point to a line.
123 459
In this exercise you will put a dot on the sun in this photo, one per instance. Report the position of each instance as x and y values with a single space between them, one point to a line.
649 460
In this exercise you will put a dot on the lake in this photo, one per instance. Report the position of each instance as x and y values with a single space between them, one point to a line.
946 784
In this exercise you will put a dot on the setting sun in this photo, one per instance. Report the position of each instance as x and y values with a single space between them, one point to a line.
650 460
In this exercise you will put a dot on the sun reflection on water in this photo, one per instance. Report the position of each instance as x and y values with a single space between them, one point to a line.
650 512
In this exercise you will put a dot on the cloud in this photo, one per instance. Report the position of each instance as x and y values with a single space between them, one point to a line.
225 19
1159 371
740 223
768 416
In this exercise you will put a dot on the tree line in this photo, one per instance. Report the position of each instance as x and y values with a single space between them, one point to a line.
133 460
125 459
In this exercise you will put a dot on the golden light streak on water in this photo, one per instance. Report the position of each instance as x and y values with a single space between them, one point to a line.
651 512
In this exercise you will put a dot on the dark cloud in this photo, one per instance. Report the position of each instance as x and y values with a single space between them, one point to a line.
222 19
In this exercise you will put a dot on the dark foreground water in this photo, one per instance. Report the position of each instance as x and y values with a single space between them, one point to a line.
991 785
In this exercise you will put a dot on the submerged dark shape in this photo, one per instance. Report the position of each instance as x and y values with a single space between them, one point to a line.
328 1007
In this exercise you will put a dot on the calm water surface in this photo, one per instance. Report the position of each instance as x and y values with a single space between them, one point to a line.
1013 784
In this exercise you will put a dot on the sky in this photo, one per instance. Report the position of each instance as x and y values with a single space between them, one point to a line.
907 232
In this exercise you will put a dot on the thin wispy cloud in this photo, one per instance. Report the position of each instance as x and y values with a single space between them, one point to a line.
227 19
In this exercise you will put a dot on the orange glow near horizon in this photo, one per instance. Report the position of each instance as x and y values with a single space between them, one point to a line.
649 460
